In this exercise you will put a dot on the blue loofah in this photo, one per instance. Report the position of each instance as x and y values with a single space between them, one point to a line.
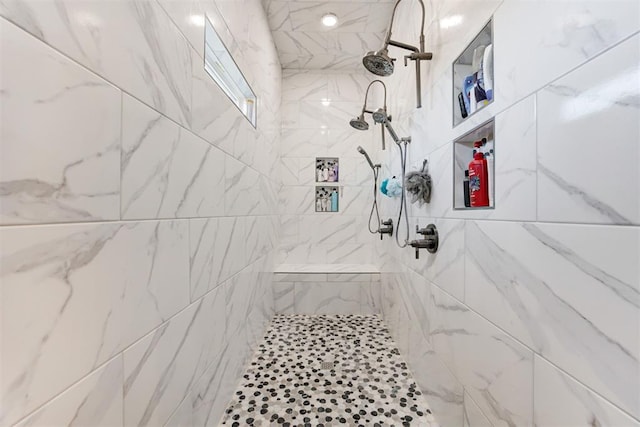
391 187
383 186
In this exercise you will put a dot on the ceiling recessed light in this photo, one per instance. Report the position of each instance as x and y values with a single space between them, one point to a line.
329 20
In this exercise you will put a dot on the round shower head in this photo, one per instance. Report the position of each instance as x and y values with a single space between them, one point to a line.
359 123
380 116
378 62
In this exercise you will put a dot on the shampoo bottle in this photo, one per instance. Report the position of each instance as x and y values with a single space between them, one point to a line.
478 178
465 185
334 201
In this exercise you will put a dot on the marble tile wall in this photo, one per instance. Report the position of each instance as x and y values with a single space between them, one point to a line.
327 293
529 313
138 210
316 109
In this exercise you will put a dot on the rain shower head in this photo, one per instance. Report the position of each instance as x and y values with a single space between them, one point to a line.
359 123
378 62
364 153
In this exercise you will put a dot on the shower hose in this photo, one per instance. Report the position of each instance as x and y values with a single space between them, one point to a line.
403 199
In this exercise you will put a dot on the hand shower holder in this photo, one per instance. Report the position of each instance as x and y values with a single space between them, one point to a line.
386 228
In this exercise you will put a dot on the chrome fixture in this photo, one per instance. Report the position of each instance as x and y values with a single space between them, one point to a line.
380 63
374 206
386 228
429 241
359 122
364 153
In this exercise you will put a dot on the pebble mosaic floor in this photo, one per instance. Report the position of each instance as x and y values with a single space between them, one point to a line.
324 370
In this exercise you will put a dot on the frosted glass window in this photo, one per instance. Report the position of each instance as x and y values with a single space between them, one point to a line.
225 72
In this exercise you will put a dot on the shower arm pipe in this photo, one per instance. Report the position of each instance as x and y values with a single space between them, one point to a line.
417 55
364 107
388 41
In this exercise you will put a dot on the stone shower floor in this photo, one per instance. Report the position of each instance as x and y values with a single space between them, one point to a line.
327 371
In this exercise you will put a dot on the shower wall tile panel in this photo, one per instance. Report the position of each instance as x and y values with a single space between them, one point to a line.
138 210
560 400
95 400
41 181
589 133
316 109
552 271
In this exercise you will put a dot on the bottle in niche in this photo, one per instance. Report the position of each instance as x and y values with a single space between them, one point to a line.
465 185
334 201
478 177
490 181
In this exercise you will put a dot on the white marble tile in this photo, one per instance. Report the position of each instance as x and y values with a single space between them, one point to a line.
242 195
82 290
289 168
210 396
303 142
349 253
439 386
445 268
327 298
188 15
588 141
560 36
302 44
149 59
297 200
95 400
495 370
167 172
160 369
259 237
473 416
302 253
547 285
63 166
217 251
562 401
283 297
371 297
304 16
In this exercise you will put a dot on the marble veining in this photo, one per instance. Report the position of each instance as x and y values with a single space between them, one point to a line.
82 275
75 136
543 309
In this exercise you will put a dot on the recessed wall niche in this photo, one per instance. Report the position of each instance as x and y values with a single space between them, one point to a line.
473 84
327 198
467 176
327 169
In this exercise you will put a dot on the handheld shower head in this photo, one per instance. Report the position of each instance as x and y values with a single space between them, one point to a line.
379 62
359 123
380 116
364 153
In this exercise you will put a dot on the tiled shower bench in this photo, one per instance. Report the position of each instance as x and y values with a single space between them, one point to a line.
327 289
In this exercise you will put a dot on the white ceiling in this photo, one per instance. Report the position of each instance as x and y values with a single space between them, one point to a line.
304 43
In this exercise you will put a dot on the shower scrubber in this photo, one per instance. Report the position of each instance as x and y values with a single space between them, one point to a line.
391 187
418 184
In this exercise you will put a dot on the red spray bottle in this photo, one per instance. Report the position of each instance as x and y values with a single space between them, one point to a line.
479 177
